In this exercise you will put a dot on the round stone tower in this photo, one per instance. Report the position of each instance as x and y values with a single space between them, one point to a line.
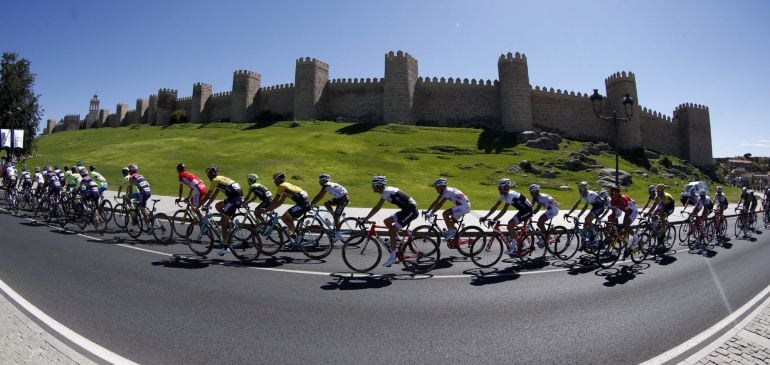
515 97
617 86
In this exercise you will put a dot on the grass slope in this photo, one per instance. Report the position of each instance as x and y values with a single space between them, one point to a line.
411 156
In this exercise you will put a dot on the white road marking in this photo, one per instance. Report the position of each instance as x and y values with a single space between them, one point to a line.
63 330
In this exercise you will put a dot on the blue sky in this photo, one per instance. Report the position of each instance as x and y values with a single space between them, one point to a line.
713 53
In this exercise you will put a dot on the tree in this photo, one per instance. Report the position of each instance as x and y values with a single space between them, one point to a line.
747 156
19 107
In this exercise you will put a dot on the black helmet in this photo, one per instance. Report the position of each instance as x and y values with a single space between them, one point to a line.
212 171
92 168
124 171
180 167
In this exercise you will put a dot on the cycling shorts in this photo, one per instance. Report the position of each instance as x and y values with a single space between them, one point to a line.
458 211
231 204
299 209
403 217
521 216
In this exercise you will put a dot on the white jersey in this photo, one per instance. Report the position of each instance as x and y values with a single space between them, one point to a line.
455 196
10 172
335 190
39 177
546 201
591 198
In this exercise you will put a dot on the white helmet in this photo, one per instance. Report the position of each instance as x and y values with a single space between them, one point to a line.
534 187
440 182
504 182
380 180
324 178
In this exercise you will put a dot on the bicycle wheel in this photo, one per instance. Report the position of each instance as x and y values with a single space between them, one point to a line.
82 216
119 216
134 223
667 240
181 222
107 211
361 256
271 236
641 249
467 237
245 244
317 241
420 255
162 228
684 232
766 218
738 226
608 252
487 251
200 239
427 232
566 243
99 220
351 232
244 220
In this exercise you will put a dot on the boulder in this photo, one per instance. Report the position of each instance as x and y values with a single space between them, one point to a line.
550 174
513 168
590 149
564 188
651 154
526 136
552 136
542 143
574 165
604 146
609 175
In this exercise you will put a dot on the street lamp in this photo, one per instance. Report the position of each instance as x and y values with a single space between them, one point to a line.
628 106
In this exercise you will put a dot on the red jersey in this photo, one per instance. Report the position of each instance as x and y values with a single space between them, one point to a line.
624 203
192 181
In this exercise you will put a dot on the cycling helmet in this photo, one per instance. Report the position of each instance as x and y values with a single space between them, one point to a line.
504 182
92 168
83 172
56 166
534 187
744 189
46 168
582 185
614 190
719 189
661 186
703 192
603 194
180 167
279 175
79 163
132 168
324 178
24 168
379 180
651 188
66 168
124 171
73 169
212 172
252 178
37 168
440 182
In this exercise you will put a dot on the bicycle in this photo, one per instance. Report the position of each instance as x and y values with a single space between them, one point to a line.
662 235
418 254
243 244
462 239
488 249
12 200
742 223
312 239
183 218
615 245
349 228
120 210
157 224
562 243
85 214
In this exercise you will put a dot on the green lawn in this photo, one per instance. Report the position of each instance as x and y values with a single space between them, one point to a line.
411 157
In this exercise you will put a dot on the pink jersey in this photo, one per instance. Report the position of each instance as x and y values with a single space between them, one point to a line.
192 181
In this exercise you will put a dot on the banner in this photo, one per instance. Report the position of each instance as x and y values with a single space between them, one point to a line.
5 138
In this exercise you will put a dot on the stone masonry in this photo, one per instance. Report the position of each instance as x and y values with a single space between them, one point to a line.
509 104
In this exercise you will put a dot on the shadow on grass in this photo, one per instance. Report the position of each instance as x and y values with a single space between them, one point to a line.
495 141
357 128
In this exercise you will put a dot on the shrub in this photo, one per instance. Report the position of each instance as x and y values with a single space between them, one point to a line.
178 116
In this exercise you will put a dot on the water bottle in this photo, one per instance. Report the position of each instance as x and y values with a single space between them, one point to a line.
328 222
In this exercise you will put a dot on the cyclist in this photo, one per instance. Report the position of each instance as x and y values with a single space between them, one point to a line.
39 181
124 182
58 172
407 213
339 200
452 215
664 203
99 179
11 178
651 195
598 205
766 200
89 189
143 190
52 182
752 206
701 211
551 210
227 207
257 191
720 199
519 201
623 203
26 179
196 185
301 202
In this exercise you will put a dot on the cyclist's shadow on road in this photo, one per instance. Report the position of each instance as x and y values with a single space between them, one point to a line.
622 274
492 275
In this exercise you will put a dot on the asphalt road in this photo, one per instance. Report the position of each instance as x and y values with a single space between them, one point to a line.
157 304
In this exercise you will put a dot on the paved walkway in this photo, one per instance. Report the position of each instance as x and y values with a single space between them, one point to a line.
22 341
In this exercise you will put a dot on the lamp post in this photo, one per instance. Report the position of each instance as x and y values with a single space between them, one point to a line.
628 108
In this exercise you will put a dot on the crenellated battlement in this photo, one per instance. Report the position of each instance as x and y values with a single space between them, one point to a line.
221 94
654 114
456 81
398 55
309 61
357 81
186 98
72 116
279 87
560 92
167 91
620 76
512 57
691 106
246 73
